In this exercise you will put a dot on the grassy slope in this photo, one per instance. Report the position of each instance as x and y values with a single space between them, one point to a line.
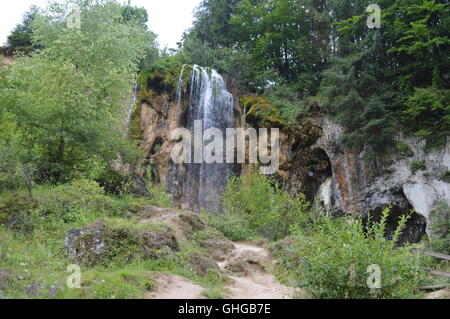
37 257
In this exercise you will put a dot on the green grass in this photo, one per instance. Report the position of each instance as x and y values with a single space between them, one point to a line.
38 256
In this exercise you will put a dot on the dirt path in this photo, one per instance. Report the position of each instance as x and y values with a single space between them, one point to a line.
256 283
175 287
245 266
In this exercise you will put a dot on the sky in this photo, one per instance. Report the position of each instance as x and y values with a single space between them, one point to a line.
167 18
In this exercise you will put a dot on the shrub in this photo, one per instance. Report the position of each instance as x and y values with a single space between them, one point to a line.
114 182
159 195
262 206
53 209
17 213
440 229
336 259
427 114
233 226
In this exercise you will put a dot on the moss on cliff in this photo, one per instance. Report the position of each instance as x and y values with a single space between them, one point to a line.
259 109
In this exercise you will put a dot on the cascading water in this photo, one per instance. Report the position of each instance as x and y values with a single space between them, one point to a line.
199 185
130 106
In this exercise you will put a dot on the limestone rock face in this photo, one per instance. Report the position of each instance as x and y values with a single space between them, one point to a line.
314 162
362 185
160 115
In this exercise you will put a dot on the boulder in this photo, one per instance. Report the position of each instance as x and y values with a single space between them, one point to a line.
102 242
219 247
139 186
201 264
193 221
238 266
155 242
243 262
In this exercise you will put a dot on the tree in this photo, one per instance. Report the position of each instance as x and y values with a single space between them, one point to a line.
17 155
21 36
375 81
212 24
70 94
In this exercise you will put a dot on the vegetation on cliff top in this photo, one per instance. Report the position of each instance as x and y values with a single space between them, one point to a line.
372 81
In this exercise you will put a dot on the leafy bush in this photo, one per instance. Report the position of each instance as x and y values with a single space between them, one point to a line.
440 229
114 182
262 206
17 154
233 226
17 213
336 258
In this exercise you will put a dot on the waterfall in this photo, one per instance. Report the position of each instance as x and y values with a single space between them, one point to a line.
199 186
130 107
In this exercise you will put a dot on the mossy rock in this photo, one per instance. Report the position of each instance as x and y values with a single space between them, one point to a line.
193 222
418 166
445 177
214 243
202 264
162 79
111 240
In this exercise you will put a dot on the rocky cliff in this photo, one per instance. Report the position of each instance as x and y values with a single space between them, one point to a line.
313 162
354 182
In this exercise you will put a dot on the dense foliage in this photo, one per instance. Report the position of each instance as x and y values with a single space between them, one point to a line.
21 36
440 228
340 258
372 81
63 106
256 206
